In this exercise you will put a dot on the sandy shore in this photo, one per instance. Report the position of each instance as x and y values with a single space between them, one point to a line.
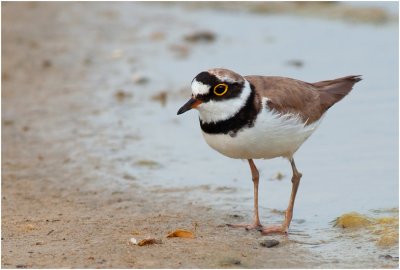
65 203
55 211
55 214
49 221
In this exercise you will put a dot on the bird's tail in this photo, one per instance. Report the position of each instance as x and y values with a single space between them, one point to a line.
333 91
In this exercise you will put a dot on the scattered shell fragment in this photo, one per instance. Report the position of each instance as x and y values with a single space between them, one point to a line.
145 242
133 241
149 241
181 233
28 227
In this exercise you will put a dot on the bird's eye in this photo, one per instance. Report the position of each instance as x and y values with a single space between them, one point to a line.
220 89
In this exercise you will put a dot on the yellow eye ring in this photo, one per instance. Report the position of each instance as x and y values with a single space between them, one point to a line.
220 89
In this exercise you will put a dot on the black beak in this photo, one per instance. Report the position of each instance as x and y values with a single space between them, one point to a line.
192 103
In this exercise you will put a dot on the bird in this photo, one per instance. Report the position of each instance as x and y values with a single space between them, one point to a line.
262 117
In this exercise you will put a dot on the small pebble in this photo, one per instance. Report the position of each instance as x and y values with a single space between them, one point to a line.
230 261
161 97
299 221
296 63
5 76
46 63
206 36
121 95
388 257
278 176
139 78
269 243
8 122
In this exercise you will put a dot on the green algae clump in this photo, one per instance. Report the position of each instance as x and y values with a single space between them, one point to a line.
384 231
352 220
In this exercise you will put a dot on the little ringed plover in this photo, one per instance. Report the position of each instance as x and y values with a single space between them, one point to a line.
262 117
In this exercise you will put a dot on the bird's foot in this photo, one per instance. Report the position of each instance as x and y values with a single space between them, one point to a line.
254 226
274 229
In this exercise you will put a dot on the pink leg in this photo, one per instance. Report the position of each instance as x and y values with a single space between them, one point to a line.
284 228
256 220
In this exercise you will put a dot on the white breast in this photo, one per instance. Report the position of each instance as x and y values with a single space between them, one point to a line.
273 135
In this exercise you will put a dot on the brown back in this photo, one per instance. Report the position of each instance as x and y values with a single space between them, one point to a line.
308 100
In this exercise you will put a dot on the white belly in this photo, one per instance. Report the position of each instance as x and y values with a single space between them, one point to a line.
271 136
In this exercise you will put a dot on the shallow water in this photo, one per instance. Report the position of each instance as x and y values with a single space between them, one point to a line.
349 164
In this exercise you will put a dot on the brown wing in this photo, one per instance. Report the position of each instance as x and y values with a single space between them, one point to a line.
308 100
289 96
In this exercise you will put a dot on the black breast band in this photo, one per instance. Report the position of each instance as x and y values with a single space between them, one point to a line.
245 117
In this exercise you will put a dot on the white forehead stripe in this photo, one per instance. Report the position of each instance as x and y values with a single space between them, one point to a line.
198 88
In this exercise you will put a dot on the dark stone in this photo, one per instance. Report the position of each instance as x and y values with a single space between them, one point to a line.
389 257
269 243
230 261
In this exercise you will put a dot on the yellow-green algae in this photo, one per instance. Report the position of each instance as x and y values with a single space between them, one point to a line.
384 230
353 220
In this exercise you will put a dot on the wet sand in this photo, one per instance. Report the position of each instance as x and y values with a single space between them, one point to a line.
82 172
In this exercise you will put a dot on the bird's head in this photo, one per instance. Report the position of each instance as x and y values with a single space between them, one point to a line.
217 94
